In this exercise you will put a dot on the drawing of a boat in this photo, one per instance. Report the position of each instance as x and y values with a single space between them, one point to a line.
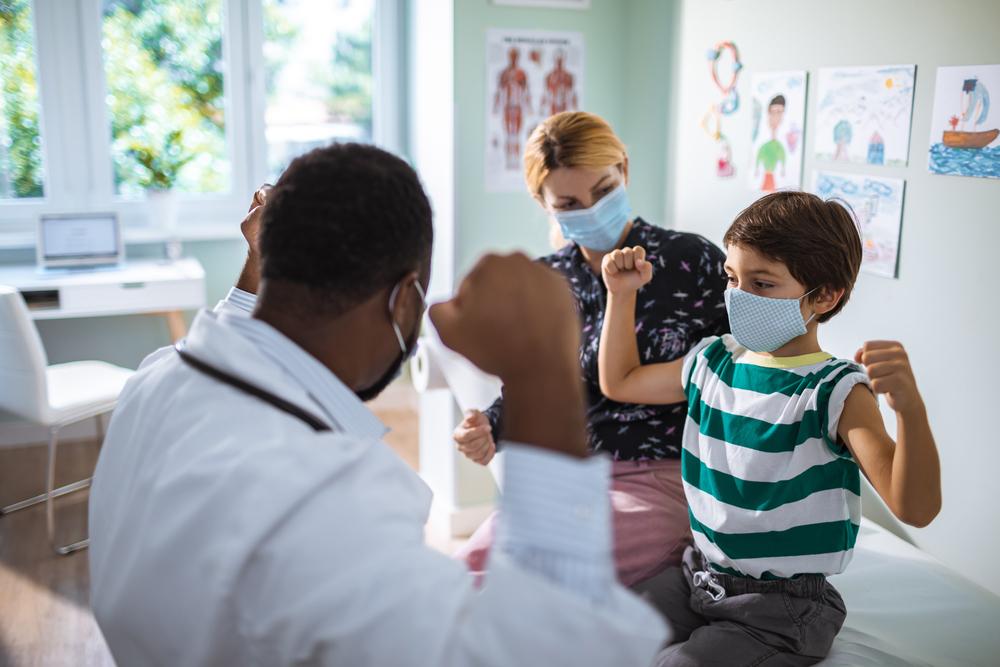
969 139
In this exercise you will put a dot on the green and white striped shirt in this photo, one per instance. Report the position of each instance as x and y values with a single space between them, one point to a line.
771 493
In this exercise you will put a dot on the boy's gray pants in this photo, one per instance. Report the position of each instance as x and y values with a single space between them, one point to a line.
718 619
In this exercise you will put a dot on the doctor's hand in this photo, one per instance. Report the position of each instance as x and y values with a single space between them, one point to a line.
251 223
474 437
515 318
250 226
512 317
626 270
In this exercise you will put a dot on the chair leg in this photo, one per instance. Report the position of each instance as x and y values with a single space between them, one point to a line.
40 498
50 478
99 423
62 490
56 493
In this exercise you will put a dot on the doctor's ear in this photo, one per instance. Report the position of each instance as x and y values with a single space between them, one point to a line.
623 168
405 297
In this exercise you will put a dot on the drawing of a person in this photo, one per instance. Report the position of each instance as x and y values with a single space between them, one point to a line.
772 153
513 96
975 103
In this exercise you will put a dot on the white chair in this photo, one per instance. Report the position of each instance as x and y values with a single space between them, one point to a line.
53 396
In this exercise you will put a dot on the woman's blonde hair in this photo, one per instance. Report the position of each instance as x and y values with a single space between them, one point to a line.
570 139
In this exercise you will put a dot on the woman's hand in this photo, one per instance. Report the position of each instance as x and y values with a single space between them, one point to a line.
474 437
626 270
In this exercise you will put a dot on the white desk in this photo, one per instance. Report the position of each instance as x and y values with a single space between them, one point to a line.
152 287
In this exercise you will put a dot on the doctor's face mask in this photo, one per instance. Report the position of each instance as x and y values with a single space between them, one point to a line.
407 347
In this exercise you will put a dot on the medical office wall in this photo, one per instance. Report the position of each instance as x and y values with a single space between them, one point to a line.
942 305
629 52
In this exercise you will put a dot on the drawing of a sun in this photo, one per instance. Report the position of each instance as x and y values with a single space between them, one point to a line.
889 83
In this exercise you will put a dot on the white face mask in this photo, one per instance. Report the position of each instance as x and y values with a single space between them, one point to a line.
406 349
762 324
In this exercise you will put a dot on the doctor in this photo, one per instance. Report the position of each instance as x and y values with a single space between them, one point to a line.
245 511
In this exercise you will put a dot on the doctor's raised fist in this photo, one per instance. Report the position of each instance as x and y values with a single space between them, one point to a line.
512 317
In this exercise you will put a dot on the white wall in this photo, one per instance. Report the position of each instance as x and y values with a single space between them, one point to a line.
942 306
463 491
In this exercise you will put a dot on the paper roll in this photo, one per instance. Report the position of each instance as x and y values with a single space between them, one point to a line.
436 367
426 374
472 388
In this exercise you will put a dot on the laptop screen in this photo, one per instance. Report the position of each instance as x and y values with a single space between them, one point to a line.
91 237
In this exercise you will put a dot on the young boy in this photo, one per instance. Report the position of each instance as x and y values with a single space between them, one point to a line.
776 435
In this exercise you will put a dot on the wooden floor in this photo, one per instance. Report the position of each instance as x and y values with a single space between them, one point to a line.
44 613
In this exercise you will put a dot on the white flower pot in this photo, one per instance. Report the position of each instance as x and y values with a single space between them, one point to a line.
162 207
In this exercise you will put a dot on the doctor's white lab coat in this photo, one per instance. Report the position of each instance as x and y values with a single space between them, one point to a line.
227 532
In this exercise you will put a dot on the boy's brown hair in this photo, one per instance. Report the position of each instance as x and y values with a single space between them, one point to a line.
817 240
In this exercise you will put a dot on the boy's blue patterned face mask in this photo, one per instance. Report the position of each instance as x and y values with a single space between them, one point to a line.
762 324
600 226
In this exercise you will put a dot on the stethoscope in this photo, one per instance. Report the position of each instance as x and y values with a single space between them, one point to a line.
239 384
194 362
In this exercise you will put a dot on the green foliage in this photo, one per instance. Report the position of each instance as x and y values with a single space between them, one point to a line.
162 163
164 72
20 141
279 35
350 78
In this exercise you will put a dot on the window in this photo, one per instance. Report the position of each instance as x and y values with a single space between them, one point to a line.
164 73
105 100
20 137
318 69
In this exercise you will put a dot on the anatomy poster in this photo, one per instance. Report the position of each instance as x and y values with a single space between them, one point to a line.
530 75
863 114
779 112
877 204
965 130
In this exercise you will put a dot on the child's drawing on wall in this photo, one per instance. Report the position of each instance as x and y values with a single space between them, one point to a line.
863 114
779 114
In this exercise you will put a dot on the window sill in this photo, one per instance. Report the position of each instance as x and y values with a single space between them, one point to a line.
140 235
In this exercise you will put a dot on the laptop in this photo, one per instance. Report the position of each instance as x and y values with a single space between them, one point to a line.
79 241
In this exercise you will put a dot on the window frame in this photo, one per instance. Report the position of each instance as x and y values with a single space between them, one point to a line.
70 74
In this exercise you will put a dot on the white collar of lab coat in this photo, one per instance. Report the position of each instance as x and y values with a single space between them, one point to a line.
259 354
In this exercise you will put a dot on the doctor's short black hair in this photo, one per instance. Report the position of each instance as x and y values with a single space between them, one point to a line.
345 221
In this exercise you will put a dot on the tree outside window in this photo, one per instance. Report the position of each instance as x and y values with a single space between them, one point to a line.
20 138
319 82
164 73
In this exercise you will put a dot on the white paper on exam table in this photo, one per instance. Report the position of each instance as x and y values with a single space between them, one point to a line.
906 608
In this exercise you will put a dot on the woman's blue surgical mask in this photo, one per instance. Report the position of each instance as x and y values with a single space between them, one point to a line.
762 324
600 226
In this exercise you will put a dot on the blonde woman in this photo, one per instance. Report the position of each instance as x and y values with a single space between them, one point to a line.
576 168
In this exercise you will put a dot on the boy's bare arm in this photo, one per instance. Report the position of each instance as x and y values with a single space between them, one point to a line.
906 473
622 376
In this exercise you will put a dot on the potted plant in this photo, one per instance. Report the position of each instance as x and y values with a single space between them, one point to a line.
160 168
